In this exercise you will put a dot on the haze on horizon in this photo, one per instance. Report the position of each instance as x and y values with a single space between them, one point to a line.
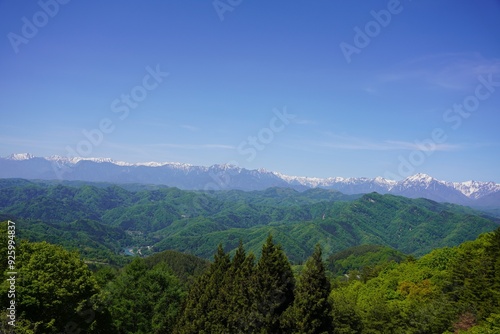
319 89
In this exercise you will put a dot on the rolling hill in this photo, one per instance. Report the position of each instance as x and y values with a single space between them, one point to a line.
228 177
104 219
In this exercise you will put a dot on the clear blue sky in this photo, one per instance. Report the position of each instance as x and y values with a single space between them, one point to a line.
360 101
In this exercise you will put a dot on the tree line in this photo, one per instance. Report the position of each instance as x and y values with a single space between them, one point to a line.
101 220
450 290
241 295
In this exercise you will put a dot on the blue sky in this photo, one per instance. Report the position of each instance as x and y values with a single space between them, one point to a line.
309 88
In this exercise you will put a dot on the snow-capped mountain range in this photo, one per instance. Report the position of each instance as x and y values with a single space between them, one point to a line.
219 177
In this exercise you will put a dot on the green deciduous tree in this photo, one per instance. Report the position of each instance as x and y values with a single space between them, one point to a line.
345 311
55 290
144 300
474 276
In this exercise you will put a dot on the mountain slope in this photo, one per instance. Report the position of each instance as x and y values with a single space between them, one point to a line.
224 177
112 218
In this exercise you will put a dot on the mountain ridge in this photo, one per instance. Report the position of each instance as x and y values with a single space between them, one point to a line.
225 176
112 219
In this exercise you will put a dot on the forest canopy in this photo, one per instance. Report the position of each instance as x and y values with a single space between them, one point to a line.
449 290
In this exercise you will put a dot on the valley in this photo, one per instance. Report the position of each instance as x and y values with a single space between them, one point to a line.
355 263
139 219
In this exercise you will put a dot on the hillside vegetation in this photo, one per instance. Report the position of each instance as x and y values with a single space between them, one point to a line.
102 221
449 290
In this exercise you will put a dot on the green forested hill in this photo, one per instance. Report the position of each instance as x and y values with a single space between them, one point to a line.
362 258
449 290
101 220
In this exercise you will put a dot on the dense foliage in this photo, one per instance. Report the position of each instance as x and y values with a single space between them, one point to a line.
144 300
364 259
449 290
54 289
56 292
238 296
102 220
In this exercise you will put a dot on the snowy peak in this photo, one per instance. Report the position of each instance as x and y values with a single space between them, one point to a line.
75 160
476 189
420 178
381 180
423 185
20 156
66 160
418 181
227 176
225 167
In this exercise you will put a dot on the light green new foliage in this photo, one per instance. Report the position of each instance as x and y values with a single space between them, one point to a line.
54 289
144 300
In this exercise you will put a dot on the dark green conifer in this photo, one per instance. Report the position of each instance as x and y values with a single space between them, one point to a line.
204 310
311 311
274 284
240 292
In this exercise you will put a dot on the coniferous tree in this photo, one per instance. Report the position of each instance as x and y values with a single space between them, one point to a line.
204 310
493 252
311 311
275 284
193 316
240 292
216 310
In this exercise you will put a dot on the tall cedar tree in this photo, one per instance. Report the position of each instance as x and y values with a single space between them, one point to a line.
204 310
311 311
239 292
275 284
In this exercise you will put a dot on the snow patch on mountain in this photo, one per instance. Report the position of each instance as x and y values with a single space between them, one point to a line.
20 156
476 189
75 160
231 176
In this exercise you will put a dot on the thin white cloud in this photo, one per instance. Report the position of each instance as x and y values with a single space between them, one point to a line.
405 145
194 146
156 124
343 142
169 125
155 152
143 147
190 127
30 145
160 149
452 71
370 90
303 121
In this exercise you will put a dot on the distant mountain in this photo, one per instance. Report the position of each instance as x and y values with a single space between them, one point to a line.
220 177
105 221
